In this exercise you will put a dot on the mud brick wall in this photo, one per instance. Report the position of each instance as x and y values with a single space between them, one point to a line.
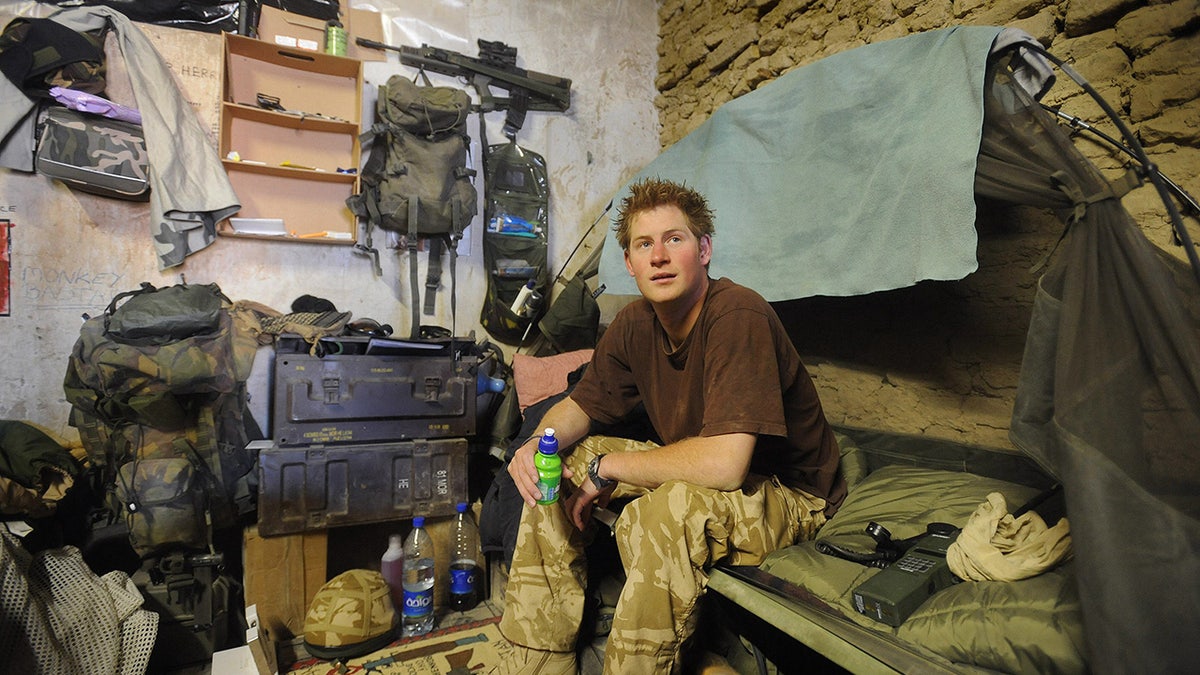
943 358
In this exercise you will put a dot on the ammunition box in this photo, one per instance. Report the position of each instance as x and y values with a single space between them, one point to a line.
427 390
312 488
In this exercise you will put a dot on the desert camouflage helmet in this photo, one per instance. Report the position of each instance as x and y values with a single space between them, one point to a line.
352 615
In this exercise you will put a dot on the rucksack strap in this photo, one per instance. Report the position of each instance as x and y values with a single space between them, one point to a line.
452 240
453 279
413 209
366 207
433 275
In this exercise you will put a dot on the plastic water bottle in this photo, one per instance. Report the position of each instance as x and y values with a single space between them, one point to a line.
391 566
464 568
549 467
417 614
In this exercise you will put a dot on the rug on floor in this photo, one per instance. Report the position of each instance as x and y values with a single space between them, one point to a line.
466 648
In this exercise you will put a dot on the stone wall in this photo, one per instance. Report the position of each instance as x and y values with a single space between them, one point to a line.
943 358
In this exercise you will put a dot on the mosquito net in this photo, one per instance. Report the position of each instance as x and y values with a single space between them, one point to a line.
1109 395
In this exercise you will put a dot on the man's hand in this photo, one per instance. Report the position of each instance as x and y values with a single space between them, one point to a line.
584 500
524 472
570 424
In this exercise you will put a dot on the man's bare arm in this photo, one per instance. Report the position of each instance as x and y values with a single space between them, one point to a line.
718 462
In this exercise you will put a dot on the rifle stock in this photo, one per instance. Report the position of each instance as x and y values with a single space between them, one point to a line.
544 92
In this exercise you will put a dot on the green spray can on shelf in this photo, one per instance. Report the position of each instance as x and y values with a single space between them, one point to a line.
549 467
335 38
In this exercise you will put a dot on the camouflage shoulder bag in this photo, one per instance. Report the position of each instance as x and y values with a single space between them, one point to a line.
94 154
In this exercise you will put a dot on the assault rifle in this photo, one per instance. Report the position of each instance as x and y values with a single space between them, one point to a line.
527 90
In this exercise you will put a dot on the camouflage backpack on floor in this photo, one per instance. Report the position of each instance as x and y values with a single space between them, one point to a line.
158 394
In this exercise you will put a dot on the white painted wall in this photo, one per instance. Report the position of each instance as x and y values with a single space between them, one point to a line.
71 253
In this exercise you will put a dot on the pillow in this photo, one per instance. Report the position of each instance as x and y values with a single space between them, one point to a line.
537 378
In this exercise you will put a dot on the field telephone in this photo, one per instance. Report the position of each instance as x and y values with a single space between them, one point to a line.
920 571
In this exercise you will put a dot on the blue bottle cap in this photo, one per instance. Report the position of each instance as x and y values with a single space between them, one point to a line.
461 507
548 444
419 521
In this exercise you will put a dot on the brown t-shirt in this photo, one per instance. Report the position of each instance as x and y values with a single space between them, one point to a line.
737 371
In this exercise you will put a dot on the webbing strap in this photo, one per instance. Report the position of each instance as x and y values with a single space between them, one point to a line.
433 274
412 267
453 284
1080 203
206 438
454 237
373 215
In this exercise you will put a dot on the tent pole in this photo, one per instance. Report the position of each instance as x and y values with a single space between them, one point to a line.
1135 149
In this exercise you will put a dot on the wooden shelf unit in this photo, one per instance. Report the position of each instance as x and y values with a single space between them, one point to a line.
299 164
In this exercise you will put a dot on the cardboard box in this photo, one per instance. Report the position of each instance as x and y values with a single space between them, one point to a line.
303 81
288 29
263 653
281 576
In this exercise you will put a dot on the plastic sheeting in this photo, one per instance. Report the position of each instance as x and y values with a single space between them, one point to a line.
851 175
211 16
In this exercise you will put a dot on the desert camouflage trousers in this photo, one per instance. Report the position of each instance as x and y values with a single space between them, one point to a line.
668 539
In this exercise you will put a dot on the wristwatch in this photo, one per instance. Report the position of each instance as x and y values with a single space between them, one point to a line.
594 474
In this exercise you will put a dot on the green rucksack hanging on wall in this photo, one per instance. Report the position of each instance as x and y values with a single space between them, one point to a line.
517 213
416 181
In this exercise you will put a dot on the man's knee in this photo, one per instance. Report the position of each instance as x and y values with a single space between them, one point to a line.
664 521
664 504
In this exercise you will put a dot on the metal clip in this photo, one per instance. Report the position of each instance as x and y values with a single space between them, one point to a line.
332 387
433 388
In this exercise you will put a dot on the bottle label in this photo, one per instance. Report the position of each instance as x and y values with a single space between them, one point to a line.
549 490
418 603
462 581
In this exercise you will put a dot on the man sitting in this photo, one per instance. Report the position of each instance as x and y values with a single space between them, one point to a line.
749 463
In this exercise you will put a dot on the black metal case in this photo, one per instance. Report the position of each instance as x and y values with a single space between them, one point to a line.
360 390
313 488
